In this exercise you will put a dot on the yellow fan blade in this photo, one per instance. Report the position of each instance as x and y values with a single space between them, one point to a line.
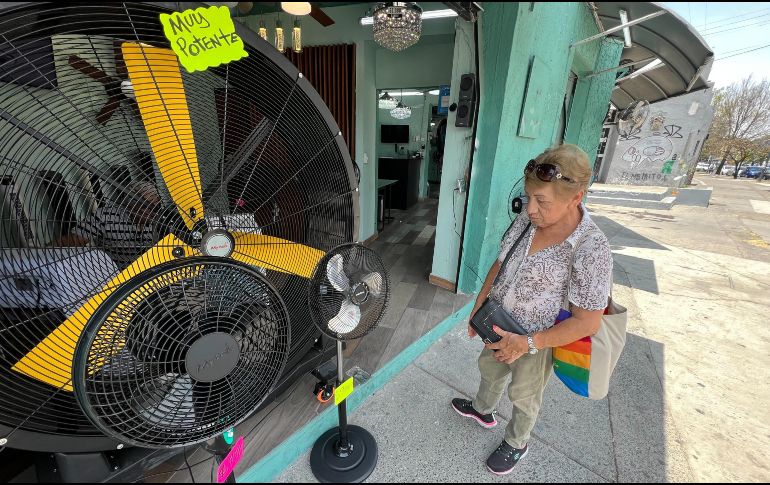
51 360
276 254
160 94
110 337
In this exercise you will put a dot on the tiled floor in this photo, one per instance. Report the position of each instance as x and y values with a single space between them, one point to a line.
416 306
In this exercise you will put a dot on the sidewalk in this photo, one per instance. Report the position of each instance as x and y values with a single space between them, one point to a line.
688 400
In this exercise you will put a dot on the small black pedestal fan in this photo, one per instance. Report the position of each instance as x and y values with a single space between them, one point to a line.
348 296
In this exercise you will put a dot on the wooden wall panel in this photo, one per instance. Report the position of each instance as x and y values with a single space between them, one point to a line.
331 69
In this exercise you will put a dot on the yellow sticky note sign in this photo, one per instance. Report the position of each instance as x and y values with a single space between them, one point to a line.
203 38
343 391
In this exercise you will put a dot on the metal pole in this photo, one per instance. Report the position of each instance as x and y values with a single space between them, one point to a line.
343 448
616 68
619 27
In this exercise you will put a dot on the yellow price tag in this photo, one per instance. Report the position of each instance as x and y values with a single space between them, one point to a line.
203 38
343 391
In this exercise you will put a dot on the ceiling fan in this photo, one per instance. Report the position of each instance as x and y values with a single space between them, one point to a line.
250 8
117 88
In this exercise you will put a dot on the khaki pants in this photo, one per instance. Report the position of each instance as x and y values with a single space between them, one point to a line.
529 374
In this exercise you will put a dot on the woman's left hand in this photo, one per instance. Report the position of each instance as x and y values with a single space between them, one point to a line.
510 348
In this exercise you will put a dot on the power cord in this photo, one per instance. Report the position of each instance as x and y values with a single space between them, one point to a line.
189 468
455 192
247 435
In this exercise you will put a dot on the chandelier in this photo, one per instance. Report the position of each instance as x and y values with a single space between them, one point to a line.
401 111
397 25
386 101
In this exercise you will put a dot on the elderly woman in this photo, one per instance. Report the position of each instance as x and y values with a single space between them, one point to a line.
532 288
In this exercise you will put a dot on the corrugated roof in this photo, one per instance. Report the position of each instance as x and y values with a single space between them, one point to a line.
686 56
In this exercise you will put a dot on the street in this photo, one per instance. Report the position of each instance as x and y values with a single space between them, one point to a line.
697 285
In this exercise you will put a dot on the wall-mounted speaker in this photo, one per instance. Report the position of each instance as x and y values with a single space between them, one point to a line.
466 105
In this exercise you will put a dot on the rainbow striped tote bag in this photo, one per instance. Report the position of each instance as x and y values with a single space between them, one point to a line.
585 366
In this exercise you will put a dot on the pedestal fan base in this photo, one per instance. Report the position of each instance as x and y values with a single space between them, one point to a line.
328 467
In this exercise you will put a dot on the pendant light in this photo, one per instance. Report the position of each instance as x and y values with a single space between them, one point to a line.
263 30
386 101
297 37
279 39
401 111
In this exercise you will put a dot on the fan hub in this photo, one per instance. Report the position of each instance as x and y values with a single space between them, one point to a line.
219 243
212 357
360 293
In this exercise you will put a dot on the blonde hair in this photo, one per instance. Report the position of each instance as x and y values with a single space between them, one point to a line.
573 164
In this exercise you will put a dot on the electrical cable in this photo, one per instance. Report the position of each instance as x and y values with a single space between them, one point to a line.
742 49
189 469
454 214
721 24
211 452
741 53
763 22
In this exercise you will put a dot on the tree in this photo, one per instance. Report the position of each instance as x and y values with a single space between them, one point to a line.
743 151
741 119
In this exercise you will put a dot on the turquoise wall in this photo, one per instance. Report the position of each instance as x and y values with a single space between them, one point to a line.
426 64
366 117
456 157
506 57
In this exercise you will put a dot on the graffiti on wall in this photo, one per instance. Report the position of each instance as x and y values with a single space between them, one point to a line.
651 159
673 131
632 178
648 151
628 130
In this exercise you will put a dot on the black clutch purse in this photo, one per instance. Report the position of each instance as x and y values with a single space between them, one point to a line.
492 313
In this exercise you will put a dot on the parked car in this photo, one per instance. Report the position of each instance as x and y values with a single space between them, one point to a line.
753 172
728 170
702 167
766 175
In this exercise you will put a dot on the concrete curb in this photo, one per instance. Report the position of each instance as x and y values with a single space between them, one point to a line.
271 466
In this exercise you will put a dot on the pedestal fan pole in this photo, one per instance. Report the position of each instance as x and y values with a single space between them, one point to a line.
342 408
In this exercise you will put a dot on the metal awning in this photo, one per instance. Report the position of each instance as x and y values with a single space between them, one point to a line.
685 55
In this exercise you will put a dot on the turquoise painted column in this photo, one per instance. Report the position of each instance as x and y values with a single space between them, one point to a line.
366 120
456 156
496 36
589 106
533 61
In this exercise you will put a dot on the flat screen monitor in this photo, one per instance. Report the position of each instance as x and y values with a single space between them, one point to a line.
394 134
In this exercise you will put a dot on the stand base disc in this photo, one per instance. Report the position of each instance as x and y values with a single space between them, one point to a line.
328 467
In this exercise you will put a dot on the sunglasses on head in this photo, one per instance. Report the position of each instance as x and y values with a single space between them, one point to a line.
547 172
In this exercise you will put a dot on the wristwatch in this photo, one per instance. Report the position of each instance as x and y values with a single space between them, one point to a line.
531 343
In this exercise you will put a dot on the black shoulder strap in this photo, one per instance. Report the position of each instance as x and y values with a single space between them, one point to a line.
510 252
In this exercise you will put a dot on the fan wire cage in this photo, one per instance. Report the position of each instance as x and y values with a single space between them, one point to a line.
115 161
349 292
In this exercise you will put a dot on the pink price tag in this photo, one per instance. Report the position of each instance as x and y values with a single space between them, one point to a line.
231 461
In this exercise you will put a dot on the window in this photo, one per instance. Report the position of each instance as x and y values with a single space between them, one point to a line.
561 131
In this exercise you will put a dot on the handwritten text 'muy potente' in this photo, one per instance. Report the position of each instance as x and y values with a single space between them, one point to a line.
203 37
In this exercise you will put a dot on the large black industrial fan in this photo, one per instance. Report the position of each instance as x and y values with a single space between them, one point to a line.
348 296
155 253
